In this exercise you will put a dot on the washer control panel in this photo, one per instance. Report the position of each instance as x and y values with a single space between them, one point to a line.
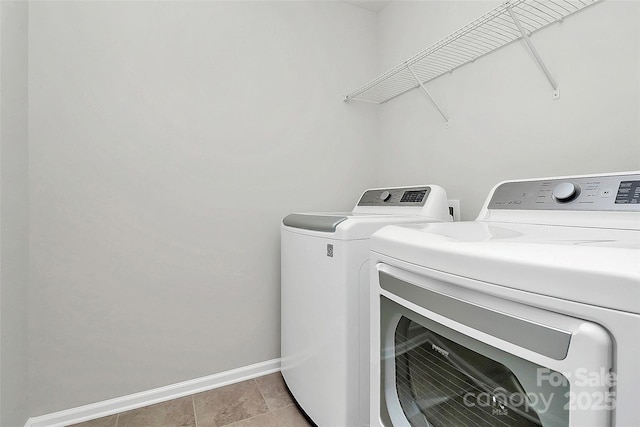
414 196
605 193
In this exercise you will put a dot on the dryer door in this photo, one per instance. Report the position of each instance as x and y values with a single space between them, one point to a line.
447 361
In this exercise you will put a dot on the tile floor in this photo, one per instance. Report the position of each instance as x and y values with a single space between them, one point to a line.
260 402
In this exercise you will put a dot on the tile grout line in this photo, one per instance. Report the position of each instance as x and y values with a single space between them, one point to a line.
195 415
118 419
246 419
269 411
272 411
263 398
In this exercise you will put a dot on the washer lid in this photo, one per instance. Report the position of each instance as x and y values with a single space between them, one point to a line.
345 225
595 266
327 223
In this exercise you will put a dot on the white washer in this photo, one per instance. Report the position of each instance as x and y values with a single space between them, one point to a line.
528 316
325 282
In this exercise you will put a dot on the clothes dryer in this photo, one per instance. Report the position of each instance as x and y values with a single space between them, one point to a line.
325 299
528 316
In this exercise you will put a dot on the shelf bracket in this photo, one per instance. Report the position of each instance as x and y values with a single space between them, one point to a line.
534 52
444 116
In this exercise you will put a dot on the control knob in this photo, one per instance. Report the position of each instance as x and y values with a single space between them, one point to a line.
565 192
385 196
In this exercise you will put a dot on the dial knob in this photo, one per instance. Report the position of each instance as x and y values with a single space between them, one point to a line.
565 192
385 196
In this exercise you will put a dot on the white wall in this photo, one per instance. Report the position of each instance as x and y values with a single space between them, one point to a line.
167 141
13 213
504 123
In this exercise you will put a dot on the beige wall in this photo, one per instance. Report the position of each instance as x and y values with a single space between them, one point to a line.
504 123
167 141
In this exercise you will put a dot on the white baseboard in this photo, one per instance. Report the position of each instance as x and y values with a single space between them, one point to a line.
149 397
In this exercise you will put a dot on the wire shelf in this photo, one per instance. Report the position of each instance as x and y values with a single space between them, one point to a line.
491 31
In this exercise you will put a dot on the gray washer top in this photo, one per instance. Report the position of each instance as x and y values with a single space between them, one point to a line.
326 223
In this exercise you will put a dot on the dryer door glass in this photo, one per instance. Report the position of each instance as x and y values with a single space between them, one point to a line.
441 383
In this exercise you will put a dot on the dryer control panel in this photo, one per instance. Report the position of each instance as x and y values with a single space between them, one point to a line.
593 193
406 196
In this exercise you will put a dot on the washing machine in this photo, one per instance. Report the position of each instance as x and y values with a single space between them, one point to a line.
527 316
325 300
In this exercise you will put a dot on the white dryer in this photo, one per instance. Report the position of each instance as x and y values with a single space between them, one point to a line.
325 302
528 316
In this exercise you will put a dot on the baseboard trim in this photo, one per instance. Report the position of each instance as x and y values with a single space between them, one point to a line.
149 397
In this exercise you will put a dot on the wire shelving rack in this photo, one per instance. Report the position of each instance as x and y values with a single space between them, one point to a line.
510 21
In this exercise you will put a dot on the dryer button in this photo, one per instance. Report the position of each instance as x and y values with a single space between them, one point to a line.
565 192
